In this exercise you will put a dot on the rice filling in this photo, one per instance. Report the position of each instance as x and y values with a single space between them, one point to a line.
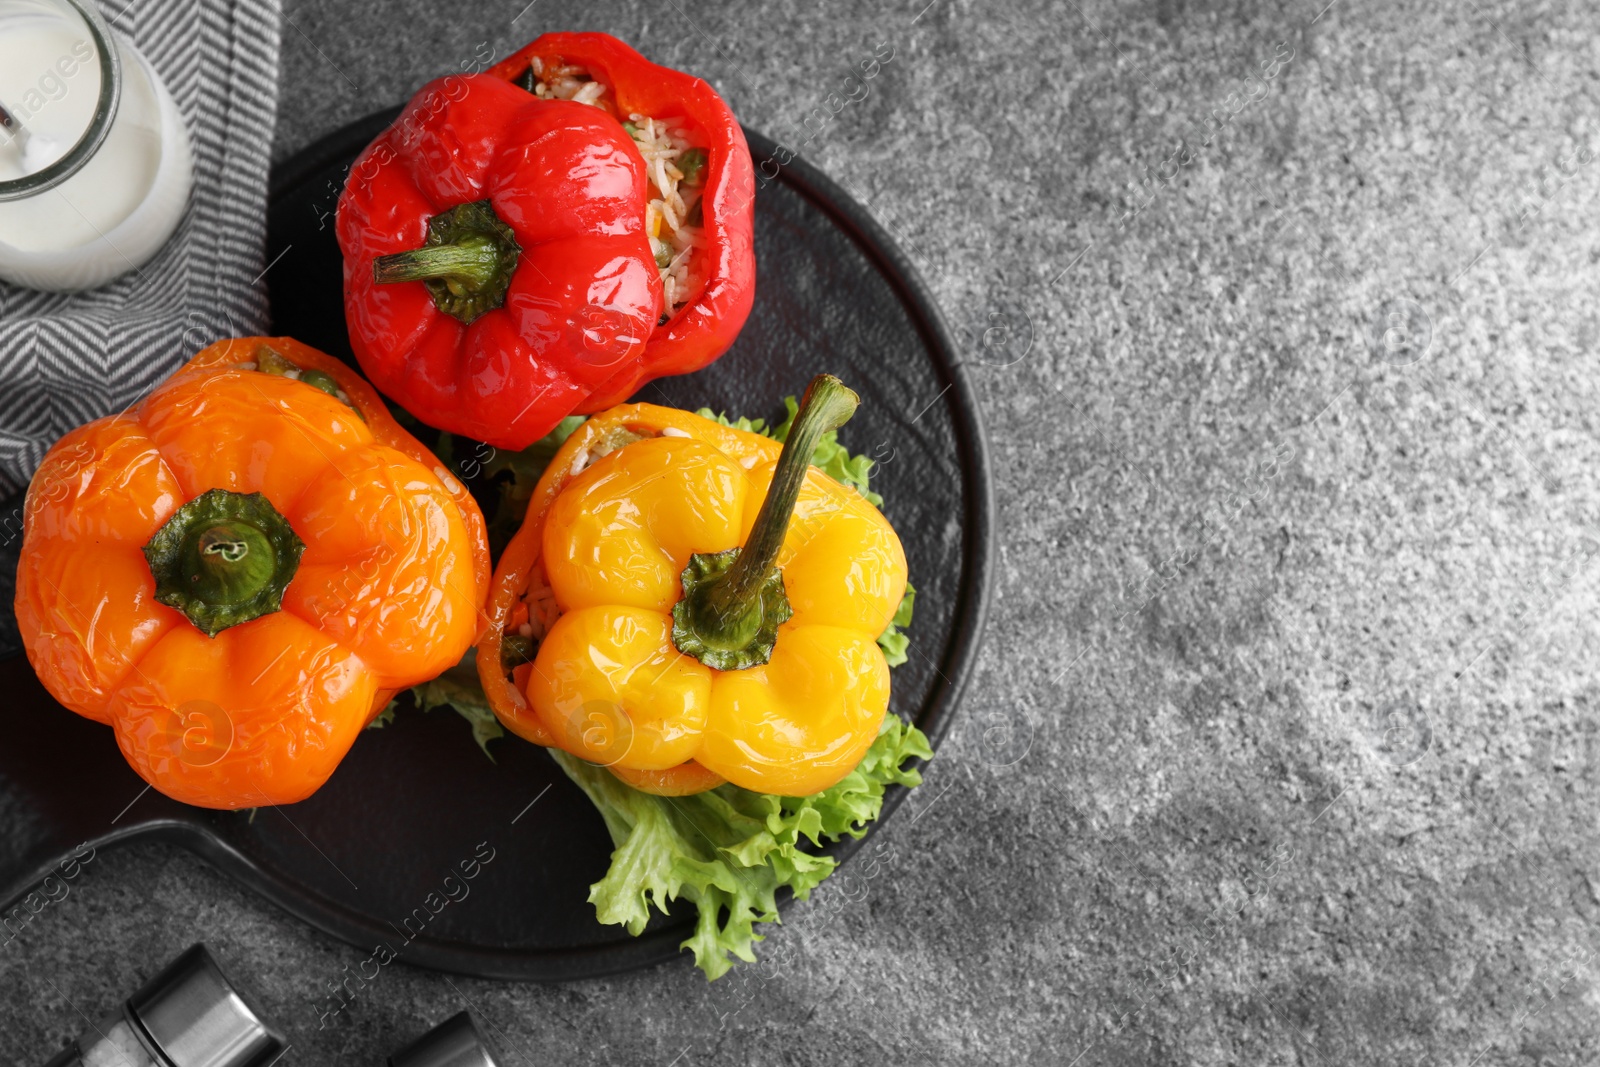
676 170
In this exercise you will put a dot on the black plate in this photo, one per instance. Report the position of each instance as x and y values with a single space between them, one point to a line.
413 800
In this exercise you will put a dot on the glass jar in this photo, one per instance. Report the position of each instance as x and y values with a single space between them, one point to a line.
95 165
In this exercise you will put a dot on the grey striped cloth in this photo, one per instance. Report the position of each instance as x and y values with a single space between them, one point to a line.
68 358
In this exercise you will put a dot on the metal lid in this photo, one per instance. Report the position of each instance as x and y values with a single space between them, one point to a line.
456 1042
192 1014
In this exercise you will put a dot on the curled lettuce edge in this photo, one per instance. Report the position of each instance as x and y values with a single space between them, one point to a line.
729 850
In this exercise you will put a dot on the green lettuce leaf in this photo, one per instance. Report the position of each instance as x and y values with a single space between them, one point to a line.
729 850
892 641
458 689
741 423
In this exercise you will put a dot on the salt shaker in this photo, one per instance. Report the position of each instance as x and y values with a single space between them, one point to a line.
189 1015
456 1042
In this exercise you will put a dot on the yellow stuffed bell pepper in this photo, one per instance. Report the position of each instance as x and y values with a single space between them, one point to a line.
706 604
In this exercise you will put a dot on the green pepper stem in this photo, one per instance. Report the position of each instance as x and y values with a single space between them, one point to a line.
467 263
827 405
229 563
224 558
732 606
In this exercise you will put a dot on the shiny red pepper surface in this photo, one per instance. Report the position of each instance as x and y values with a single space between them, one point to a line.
706 325
497 270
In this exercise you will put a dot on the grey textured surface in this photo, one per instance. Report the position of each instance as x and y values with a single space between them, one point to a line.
1283 748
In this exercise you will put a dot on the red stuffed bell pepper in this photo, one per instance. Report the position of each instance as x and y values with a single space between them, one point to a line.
511 258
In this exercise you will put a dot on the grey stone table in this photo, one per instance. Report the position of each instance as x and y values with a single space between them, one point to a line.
1283 748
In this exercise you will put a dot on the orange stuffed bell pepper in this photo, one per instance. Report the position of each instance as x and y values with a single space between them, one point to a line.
707 607
237 573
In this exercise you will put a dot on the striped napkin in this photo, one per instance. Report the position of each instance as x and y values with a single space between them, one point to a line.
68 358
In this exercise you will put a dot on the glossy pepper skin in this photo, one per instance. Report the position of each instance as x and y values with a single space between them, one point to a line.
385 593
558 290
609 681
707 324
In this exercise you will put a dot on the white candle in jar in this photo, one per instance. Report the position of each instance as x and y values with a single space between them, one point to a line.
99 178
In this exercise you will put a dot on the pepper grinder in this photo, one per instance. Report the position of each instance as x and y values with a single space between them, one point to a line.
456 1042
189 1015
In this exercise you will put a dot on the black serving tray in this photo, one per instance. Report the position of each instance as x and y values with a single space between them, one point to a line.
416 799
